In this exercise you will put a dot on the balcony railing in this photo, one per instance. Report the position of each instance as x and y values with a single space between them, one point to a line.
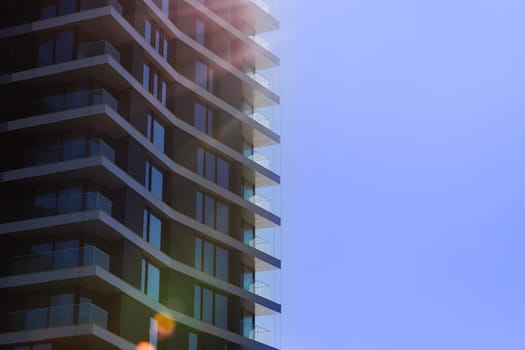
97 48
260 201
259 40
58 259
260 288
264 6
49 205
66 151
254 332
259 78
92 4
260 118
258 243
260 159
55 316
70 100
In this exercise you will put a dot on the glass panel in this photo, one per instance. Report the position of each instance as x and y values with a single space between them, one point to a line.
147 31
155 85
153 282
210 166
156 182
157 41
143 276
207 305
62 309
166 7
145 77
198 207
155 230
66 254
208 257
165 49
163 93
153 332
45 203
66 6
74 148
201 74
210 80
37 318
70 200
200 117
209 211
197 302
223 217
192 341
199 31
223 173
64 46
200 161
45 49
48 9
147 175
198 253
248 279
43 256
43 347
221 263
209 130
77 98
221 311
145 225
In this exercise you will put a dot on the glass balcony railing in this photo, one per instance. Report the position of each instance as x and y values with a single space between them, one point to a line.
259 40
254 332
260 159
260 118
70 100
55 316
58 259
51 204
66 151
258 243
259 79
260 288
264 6
97 48
260 201
92 4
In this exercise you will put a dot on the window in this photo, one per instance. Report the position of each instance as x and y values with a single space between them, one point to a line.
166 7
211 259
203 118
153 82
52 8
155 132
210 306
213 167
153 332
193 341
56 47
152 229
204 76
212 212
156 37
150 280
154 179
46 346
199 31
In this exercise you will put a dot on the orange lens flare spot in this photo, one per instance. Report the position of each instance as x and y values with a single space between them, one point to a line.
144 345
165 324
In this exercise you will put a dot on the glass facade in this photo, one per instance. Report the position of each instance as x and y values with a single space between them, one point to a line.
212 212
212 259
152 229
210 306
154 179
150 280
213 168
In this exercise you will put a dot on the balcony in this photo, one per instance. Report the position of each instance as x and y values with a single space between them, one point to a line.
55 316
51 204
262 5
97 48
70 100
259 79
64 152
260 118
258 243
58 259
260 288
254 332
260 159
260 201
260 41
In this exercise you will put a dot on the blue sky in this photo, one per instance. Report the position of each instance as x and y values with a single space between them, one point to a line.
403 167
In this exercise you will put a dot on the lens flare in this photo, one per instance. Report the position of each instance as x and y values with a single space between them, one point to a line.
144 345
165 324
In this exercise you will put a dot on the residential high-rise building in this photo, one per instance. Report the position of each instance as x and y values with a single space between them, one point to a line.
136 149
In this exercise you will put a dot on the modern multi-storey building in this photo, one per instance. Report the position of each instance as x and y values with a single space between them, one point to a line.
132 138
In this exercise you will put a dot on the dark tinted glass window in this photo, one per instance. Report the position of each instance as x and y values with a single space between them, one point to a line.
200 117
66 6
222 217
221 263
45 49
64 46
223 173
